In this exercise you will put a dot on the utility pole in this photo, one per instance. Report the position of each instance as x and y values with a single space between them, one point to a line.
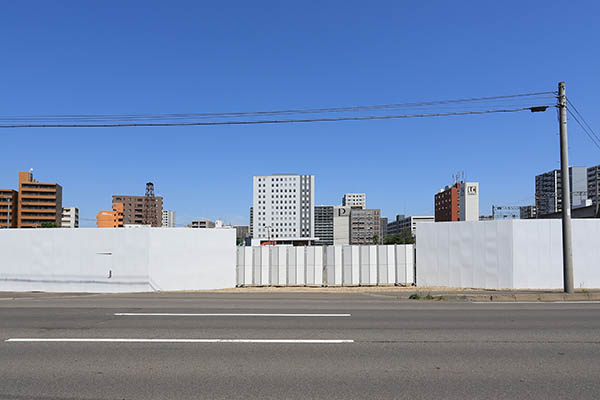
566 192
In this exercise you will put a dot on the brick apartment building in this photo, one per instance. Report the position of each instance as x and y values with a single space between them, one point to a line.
141 210
111 219
447 207
8 208
33 205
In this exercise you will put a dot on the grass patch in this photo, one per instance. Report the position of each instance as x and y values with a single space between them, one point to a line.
428 296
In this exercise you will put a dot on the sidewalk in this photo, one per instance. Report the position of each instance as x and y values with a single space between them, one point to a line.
399 293
441 293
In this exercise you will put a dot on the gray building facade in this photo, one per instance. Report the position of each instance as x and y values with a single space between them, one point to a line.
593 184
324 225
403 223
506 212
384 232
202 224
528 212
548 190
365 226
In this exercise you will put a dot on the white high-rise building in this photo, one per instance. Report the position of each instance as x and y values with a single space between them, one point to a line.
70 217
355 200
168 219
283 207
468 203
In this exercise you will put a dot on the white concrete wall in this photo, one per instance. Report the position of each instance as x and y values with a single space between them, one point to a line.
520 254
116 260
331 265
183 260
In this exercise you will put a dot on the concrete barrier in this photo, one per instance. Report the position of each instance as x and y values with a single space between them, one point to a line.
118 260
518 254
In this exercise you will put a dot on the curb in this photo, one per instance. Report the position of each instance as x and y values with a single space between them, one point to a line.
523 297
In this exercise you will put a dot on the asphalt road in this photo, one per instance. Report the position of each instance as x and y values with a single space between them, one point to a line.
393 349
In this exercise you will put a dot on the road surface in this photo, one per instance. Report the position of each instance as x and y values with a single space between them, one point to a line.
294 346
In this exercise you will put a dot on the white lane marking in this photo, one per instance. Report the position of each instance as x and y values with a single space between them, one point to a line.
133 340
536 302
226 315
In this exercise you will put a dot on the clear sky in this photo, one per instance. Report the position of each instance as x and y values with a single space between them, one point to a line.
132 57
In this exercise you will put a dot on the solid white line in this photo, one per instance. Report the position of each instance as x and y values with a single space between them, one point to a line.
226 315
130 340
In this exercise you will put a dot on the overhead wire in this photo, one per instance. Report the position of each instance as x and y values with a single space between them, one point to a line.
533 98
570 103
278 121
594 139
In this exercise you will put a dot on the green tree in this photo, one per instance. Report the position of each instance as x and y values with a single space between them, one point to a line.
404 237
375 239
49 225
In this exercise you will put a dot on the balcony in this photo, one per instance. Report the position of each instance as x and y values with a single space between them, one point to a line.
33 197
38 188
38 212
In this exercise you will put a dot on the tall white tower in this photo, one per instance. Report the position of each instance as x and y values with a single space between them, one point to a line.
468 203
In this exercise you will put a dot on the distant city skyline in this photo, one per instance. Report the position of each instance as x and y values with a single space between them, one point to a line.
203 58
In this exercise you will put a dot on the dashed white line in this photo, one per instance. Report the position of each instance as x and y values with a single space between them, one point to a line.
226 315
135 340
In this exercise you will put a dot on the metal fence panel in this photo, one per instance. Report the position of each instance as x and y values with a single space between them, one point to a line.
338 265
310 265
282 266
355 265
330 265
300 266
264 266
248 262
318 266
256 265
382 266
291 265
239 266
273 265
391 265
364 265
347 265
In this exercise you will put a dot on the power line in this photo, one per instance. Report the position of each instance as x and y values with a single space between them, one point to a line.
583 119
594 139
282 121
121 117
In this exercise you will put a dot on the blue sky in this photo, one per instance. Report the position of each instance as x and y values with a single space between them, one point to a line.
169 57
